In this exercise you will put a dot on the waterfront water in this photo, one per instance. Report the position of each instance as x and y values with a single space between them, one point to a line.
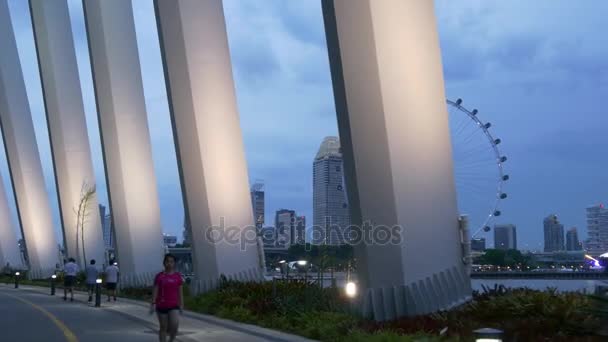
562 285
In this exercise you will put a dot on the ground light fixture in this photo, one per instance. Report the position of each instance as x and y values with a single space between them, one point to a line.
488 335
351 289
98 292
302 262
53 278
17 274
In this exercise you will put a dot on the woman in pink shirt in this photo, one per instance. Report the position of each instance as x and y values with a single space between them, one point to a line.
168 299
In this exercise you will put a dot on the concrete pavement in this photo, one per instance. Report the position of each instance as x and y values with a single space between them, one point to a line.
31 314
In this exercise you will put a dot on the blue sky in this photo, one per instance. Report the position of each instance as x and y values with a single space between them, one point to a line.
537 70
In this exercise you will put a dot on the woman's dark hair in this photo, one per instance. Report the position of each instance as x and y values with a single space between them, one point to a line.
167 256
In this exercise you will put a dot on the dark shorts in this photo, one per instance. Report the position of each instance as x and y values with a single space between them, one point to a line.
69 281
165 311
111 286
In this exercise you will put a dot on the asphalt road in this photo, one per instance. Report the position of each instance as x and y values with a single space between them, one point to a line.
30 316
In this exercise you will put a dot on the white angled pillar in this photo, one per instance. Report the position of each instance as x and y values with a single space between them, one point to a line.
23 156
388 86
67 130
9 248
210 147
125 135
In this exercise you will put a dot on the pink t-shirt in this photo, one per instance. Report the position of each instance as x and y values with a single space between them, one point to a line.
168 289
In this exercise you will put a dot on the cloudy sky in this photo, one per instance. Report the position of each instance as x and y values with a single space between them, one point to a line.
537 70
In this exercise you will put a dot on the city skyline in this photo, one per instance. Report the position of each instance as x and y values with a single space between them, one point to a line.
285 66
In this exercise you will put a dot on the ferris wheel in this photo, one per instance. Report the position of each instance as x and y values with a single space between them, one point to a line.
478 167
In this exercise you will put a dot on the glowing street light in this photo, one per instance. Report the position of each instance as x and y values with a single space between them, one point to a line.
351 289
302 262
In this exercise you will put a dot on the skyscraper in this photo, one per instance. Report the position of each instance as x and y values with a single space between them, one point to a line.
572 243
187 239
597 229
554 234
257 203
300 230
285 227
505 236
106 227
330 208
478 244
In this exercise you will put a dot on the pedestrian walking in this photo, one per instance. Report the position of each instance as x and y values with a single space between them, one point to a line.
91 278
168 299
70 270
112 278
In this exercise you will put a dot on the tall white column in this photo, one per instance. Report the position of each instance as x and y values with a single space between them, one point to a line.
125 135
23 156
9 249
67 129
388 85
210 150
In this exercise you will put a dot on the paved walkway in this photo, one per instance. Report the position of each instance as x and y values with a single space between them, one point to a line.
31 314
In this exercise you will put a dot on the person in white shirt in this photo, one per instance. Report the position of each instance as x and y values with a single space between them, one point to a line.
70 270
91 278
112 277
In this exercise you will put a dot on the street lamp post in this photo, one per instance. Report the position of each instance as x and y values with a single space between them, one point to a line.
17 274
98 293
53 278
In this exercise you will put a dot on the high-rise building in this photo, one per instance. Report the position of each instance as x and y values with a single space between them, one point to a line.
505 236
572 243
597 229
478 244
102 214
257 203
554 234
187 240
330 207
285 227
269 237
300 230
106 227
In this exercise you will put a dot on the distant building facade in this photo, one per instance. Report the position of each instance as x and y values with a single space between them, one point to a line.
331 213
572 242
258 203
285 227
300 230
478 244
505 236
269 237
597 229
106 227
554 234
